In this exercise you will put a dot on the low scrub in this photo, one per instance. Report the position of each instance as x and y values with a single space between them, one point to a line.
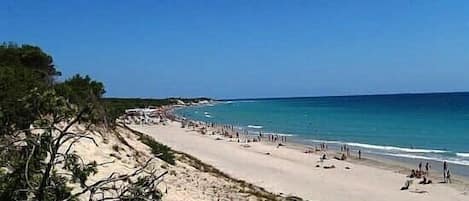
160 151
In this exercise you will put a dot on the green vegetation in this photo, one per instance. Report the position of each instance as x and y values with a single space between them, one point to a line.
36 117
22 68
160 151
81 90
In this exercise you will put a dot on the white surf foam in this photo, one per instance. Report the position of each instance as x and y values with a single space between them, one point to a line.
465 155
452 160
208 116
392 148
281 134
379 147
255 126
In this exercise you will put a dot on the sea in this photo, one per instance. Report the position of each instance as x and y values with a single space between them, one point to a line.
409 127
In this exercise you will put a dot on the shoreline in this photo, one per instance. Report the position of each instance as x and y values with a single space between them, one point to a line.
459 171
393 171
378 161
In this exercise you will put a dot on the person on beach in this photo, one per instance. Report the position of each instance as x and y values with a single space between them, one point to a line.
413 174
427 168
323 157
359 154
445 168
425 181
420 167
448 176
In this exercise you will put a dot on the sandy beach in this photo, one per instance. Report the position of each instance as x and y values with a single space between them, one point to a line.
289 171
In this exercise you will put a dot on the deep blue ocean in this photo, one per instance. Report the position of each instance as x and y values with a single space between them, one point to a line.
417 126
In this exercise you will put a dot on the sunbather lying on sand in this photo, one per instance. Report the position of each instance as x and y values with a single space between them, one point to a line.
341 158
329 167
308 151
425 181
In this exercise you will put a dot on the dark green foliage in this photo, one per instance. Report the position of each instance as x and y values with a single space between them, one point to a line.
15 83
31 162
28 56
160 151
84 92
23 69
139 192
80 90
80 172
29 96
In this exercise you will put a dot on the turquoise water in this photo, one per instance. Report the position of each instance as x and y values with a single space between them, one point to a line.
417 126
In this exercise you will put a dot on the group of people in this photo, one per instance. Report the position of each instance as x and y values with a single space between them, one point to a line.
232 132
420 172
346 149
276 138
323 147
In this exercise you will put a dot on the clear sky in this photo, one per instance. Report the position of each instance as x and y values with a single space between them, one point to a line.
250 48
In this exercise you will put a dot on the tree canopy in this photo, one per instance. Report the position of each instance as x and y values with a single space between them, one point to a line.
28 56
33 111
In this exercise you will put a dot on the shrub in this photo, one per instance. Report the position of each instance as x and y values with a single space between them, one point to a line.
160 151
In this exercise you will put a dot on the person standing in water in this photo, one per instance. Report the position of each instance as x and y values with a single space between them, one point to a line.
359 154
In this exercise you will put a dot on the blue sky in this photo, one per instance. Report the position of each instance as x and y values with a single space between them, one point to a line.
250 48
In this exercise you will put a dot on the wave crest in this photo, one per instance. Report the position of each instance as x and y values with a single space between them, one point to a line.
380 147
465 155
255 126
281 134
450 160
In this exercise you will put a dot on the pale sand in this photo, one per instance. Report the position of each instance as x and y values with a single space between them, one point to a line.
290 171
184 182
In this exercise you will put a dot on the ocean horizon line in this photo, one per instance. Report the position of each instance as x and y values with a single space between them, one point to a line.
351 95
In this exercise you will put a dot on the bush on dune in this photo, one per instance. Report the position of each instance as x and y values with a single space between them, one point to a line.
160 151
